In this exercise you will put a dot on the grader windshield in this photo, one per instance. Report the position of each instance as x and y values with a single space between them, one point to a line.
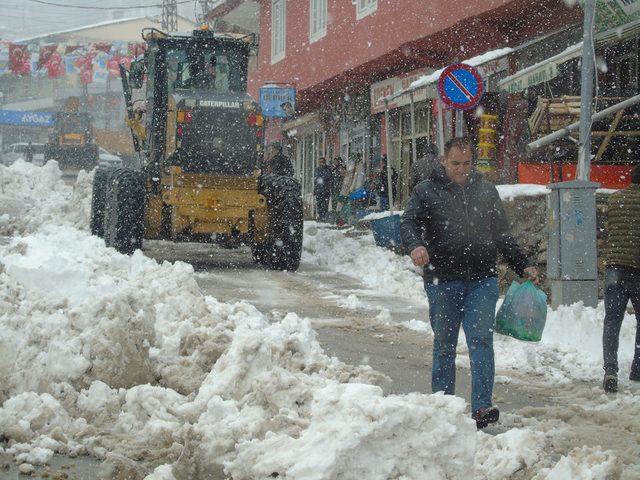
206 69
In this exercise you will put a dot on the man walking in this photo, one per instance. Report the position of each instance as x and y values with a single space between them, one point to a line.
278 163
454 225
622 277
322 189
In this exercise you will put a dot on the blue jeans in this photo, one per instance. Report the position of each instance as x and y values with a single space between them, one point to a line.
620 285
472 304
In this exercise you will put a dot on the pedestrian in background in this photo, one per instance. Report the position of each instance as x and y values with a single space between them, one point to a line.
29 153
427 159
622 277
277 163
454 226
322 189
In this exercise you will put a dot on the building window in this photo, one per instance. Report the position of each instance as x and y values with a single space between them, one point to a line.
317 19
278 29
365 7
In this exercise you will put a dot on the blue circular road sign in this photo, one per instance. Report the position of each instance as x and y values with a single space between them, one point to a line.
460 86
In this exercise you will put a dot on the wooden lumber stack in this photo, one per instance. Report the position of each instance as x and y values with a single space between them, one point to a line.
552 114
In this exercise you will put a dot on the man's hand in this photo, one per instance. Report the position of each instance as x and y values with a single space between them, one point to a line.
531 273
420 256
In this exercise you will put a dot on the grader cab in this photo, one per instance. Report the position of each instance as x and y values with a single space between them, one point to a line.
199 137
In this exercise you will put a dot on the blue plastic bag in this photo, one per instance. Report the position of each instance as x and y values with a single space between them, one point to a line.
523 313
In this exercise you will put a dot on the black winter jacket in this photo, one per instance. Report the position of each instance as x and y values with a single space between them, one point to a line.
279 165
462 227
322 183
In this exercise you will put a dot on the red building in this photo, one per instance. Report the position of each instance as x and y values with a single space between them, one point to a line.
343 55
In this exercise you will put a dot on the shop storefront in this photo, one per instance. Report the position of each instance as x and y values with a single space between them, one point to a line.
401 133
550 89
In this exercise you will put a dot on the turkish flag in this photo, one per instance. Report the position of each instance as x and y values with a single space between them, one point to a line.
84 64
55 66
45 54
113 65
19 59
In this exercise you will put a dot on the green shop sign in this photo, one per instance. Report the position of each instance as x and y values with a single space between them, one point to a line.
534 77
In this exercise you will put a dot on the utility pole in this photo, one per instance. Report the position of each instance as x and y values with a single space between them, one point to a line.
169 15
586 91
205 8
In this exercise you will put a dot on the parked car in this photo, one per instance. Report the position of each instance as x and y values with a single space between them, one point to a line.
19 150
106 159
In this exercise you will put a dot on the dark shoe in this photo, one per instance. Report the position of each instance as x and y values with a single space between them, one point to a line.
485 416
634 375
610 383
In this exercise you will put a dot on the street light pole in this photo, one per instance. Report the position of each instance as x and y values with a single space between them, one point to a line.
586 91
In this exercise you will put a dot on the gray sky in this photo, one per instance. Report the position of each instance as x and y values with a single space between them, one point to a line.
24 18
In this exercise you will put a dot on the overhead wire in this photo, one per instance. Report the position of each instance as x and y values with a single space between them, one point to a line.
89 7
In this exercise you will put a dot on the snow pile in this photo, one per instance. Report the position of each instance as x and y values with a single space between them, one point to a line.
122 358
31 196
359 257
74 311
356 433
503 455
571 346
586 463
509 192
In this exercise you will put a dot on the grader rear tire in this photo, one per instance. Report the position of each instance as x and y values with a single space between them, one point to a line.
124 216
283 248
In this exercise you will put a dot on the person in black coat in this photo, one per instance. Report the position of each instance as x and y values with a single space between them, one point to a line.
426 162
278 163
454 226
322 188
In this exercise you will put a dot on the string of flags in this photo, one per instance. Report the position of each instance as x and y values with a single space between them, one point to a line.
95 62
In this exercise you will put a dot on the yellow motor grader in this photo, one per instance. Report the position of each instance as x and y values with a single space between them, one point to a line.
199 137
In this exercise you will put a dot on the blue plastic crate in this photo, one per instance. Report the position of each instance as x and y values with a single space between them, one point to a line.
386 231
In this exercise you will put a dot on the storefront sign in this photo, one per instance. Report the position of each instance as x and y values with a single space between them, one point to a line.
534 77
389 86
540 72
26 118
278 102
616 13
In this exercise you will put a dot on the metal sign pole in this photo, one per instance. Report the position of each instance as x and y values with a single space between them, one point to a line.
387 126
459 120
440 127
586 91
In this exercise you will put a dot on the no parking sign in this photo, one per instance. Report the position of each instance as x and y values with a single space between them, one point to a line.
460 86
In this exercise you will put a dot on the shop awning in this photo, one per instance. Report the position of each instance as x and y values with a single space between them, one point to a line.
427 80
548 69
301 122
540 72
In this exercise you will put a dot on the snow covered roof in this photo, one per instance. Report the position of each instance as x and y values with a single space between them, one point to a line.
95 25
431 78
